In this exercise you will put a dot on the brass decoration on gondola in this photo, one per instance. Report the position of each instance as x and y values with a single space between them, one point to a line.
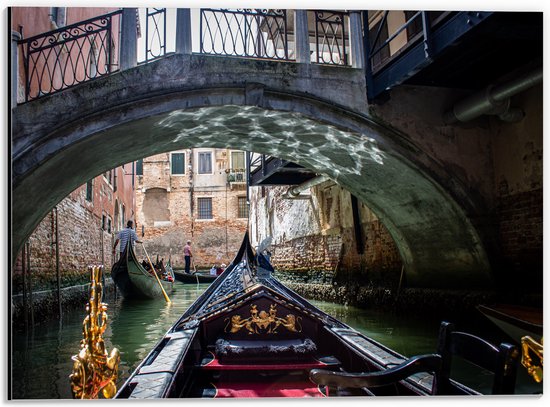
530 346
94 370
263 322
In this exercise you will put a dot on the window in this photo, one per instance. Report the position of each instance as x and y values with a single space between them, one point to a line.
205 163
139 167
114 180
204 208
177 163
57 15
242 209
237 160
109 224
103 222
90 190
109 176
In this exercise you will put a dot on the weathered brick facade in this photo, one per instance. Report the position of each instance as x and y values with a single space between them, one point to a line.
317 234
167 207
87 221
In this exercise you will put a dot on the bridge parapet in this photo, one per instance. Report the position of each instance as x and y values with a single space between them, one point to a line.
89 49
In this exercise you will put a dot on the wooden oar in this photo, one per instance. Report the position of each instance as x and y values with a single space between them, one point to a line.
155 274
195 268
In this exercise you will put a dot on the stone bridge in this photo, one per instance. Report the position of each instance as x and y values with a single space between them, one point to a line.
317 116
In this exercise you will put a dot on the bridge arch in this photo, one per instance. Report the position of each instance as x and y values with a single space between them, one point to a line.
281 109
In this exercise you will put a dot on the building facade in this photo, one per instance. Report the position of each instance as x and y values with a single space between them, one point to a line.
81 229
194 194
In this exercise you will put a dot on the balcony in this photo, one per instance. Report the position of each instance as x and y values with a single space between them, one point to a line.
461 50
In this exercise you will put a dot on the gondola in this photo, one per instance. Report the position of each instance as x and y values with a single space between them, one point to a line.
134 281
248 335
516 321
193 278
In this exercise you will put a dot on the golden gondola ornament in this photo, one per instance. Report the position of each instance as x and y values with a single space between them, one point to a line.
95 371
529 348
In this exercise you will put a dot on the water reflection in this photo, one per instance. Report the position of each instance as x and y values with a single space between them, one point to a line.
41 358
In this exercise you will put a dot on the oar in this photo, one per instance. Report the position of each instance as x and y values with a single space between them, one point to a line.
155 274
195 268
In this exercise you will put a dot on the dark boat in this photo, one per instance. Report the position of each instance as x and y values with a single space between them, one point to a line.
248 335
516 321
134 281
193 278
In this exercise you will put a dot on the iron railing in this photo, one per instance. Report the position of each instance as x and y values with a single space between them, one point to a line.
330 37
417 27
250 33
69 55
236 176
155 33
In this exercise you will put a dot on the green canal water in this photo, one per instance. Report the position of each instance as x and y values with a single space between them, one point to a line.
41 358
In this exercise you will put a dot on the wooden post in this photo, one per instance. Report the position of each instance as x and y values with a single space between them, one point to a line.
24 275
57 272
29 281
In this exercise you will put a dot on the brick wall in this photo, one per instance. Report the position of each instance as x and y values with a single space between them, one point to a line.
84 238
167 209
520 233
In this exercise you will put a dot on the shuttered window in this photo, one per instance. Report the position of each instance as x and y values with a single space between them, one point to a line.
178 164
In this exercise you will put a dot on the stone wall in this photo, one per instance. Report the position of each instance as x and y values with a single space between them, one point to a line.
314 239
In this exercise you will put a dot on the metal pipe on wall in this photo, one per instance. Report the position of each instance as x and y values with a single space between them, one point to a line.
494 100
294 191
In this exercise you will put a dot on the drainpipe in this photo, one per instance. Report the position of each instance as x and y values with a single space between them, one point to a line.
295 191
495 100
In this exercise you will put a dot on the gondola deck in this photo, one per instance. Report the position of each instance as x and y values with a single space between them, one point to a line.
248 335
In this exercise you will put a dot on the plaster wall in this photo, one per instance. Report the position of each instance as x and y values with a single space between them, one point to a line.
317 234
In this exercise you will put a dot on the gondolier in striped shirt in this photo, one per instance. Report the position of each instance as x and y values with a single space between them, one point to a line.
125 235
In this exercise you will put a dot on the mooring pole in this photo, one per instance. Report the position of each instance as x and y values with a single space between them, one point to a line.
57 263
24 273
29 281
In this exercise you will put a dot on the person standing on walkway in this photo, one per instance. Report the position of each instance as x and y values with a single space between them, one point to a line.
126 235
187 255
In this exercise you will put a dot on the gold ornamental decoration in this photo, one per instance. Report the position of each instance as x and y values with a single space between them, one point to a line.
263 322
528 347
94 370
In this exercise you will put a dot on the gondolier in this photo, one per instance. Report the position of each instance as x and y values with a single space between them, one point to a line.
123 236
187 255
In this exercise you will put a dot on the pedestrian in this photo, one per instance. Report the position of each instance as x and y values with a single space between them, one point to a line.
187 255
125 236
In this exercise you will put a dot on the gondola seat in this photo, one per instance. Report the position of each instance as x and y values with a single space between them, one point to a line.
502 361
430 363
264 351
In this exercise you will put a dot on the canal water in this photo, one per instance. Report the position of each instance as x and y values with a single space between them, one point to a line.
41 358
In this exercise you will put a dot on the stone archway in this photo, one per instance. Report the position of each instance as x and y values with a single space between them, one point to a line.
101 129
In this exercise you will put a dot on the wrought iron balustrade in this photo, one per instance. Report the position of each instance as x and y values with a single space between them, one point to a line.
155 33
236 176
70 55
250 33
330 37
